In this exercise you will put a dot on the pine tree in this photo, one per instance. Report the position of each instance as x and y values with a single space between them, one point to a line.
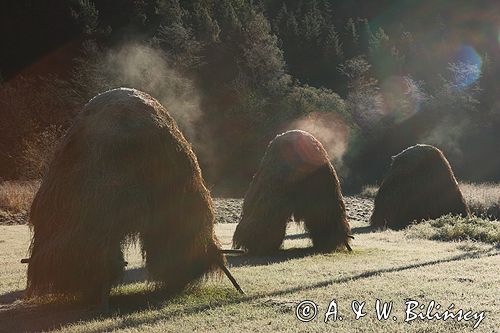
85 14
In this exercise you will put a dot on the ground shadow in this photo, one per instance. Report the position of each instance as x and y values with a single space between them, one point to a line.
34 318
18 315
134 275
11 297
273 258
365 230
357 230
24 317
298 236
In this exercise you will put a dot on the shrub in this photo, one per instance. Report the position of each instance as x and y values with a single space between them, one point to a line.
16 196
454 228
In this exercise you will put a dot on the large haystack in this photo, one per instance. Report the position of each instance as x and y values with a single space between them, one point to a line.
124 171
420 185
295 178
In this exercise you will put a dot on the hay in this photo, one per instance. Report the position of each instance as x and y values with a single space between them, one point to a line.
124 171
295 178
419 185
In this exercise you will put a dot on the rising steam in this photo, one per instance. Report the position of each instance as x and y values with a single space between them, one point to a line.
145 68
329 129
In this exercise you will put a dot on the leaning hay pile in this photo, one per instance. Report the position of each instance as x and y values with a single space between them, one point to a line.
124 171
295 178
420 185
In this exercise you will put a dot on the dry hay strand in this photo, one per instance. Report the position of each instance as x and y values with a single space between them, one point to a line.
420 185
296 178
124 171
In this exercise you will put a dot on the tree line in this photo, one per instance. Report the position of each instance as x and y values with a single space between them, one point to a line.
370 78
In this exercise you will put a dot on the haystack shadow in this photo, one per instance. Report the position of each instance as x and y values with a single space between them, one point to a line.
11 297
134 275
273 258
365 230
304 235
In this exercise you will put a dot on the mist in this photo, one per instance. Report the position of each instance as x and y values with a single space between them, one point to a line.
143 67
329 129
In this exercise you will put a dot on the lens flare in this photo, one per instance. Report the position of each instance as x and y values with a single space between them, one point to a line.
467 54
466 66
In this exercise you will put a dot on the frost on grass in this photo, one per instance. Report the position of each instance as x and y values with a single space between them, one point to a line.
454 228
482 199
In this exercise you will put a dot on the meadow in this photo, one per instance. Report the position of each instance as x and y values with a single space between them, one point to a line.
395 266
367 79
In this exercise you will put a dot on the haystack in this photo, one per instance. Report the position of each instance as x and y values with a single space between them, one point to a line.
296 178
420 185
124 171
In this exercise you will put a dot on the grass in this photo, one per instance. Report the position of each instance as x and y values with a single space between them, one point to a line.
453 228
386 265
16 196
483 199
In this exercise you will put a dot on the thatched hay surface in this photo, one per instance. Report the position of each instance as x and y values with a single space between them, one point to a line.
420 185
296 178
123 171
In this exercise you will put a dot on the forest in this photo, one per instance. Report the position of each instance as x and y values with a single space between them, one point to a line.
367 78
